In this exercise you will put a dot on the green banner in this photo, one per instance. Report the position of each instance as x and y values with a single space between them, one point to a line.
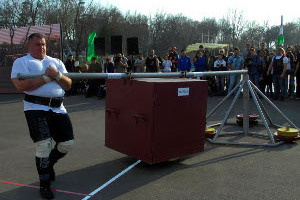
91 48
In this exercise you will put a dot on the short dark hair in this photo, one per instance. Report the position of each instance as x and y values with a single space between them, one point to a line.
182 50
94 58
36 35
236 48
70 55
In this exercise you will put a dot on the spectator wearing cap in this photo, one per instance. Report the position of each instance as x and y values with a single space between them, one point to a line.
184 63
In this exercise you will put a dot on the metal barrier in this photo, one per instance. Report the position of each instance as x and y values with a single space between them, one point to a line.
245 84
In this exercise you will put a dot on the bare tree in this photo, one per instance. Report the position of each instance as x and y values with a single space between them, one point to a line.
237 24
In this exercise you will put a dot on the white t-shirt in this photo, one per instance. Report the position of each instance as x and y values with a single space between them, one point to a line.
219 62
138 62
28 64
289 64
167 65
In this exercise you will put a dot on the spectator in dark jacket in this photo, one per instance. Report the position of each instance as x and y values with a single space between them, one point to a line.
70 64
108 66
199 62
184 63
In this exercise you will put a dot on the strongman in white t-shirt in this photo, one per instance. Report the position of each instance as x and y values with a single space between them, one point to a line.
45 113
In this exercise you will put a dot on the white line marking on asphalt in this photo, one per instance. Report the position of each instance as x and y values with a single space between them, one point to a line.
112 180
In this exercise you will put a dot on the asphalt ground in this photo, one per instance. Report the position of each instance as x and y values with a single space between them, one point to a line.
220 172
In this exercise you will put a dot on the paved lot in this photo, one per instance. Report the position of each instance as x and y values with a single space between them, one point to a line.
221 172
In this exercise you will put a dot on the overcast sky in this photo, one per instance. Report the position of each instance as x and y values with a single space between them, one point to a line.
258 10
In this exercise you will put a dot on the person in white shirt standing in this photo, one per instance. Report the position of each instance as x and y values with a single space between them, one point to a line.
45 113
167 63
220 65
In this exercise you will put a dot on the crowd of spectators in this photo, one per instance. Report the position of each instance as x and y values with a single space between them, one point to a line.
274 73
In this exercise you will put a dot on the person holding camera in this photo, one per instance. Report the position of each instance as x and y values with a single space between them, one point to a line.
220 65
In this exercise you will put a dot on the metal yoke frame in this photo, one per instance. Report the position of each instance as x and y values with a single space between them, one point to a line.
247 86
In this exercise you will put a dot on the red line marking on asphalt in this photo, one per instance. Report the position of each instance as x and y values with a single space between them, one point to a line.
32 186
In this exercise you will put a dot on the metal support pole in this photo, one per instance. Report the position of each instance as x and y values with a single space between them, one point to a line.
260 112
221 103
229 111
264 109
273 105
246 105
246 143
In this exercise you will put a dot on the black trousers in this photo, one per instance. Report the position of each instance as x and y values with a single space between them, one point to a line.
48 124
44 125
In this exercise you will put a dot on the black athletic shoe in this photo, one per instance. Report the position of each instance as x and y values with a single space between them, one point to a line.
51 174
45 191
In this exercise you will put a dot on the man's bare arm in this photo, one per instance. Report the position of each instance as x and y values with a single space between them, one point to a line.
28 84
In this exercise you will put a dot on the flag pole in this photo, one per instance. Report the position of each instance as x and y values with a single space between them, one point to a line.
280 37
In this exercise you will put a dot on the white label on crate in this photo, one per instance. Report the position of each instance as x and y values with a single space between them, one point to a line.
183 92
114 76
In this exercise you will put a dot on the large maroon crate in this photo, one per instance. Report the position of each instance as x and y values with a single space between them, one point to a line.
155 120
